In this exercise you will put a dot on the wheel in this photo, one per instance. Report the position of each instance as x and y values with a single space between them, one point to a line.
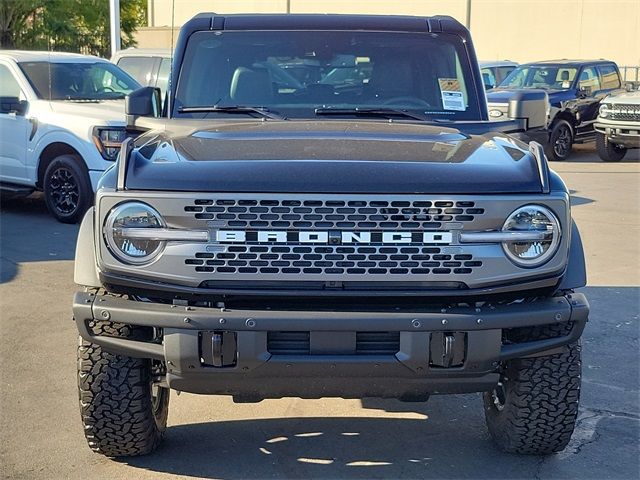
560 141
67 189
534 407
123 412
608 151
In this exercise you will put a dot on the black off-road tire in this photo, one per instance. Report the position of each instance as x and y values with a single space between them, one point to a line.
67 188
560 141
534 408
120 415
607 151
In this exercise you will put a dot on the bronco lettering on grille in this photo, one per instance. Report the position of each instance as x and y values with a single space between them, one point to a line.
330 237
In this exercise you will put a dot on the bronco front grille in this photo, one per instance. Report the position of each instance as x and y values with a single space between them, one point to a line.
625 112
323 214
333 260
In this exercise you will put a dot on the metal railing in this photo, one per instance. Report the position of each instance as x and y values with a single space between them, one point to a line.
630 73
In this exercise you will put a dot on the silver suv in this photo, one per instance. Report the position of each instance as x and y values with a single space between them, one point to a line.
618 125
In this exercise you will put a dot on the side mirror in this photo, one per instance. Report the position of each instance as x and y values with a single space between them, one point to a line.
585 92
532 106
629 87
13 105
144 102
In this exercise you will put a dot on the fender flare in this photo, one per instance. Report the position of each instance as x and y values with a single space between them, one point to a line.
575 275
85 268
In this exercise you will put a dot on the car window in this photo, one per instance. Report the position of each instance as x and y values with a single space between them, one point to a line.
78 81
609 76
589 79
488 78
162 81
550 77
140 68
295 72
503 72
9 86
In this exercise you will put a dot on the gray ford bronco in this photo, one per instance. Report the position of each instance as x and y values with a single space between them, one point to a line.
321 208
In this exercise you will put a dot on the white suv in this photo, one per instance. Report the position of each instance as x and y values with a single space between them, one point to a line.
61 126
618 125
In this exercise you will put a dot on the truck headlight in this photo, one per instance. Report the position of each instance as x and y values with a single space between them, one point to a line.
129 247
532 219
604 110
108 141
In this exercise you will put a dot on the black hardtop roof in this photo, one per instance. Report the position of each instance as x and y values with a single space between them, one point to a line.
288 21
568 62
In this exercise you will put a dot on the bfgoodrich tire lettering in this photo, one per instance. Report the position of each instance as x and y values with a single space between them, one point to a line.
534 408
120 414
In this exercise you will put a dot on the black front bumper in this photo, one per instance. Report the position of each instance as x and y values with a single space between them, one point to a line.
258 373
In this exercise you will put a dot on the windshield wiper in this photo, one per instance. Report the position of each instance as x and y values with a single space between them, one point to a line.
371 112
264 112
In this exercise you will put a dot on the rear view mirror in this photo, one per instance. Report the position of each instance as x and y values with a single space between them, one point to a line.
532 106
13 105
144 102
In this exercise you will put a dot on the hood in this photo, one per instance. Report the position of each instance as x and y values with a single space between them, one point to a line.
332 157
106 110
627 98
503 95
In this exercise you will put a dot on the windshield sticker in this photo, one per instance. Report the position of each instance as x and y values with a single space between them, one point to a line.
452 98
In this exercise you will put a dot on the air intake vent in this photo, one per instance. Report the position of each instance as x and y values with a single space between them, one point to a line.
366 343
288 343
377 343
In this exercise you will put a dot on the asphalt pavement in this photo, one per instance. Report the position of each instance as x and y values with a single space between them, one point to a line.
211 437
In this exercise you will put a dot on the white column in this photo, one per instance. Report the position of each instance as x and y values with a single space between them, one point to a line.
114 19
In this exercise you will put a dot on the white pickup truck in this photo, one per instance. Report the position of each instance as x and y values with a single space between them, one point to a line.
61 126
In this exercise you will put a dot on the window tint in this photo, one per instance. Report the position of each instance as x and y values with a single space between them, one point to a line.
8 84
295 72
140 68
589 79
609 77
78 81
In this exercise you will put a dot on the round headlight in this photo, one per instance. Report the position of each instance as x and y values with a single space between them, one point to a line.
125 219
604 110
532 218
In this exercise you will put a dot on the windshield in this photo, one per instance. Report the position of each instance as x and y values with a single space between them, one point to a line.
296 72
548 77
78 81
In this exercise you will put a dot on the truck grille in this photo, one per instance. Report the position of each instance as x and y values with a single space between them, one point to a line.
323 214
625 112
333 260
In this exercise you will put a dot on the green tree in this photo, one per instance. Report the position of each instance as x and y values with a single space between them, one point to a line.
68 25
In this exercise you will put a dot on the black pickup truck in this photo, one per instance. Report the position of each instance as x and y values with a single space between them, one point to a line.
323 209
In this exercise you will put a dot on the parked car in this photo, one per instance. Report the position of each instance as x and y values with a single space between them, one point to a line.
575 88
618 125
61 126
494 72
150 67
370 235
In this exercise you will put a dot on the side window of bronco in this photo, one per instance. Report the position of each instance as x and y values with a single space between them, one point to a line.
609 77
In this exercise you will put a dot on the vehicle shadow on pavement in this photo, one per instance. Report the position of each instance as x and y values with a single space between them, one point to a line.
28 233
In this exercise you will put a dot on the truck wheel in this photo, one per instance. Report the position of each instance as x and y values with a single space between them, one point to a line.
67 189
122 412
608 151
534 407
560 141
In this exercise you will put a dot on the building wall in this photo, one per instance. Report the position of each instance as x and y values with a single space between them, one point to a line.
520 30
